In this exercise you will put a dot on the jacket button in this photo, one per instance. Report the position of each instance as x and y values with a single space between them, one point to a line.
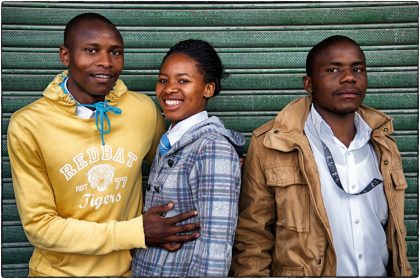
275 131
319 261
170 163
148 187
157 189
385 129
386 162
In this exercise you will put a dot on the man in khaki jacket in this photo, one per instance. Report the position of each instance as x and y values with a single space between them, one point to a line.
323 187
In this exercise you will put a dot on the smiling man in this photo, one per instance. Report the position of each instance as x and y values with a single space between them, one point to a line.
323 186
77 182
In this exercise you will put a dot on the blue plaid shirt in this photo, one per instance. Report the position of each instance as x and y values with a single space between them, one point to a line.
200 172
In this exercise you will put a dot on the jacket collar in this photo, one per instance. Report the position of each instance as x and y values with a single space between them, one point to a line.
287 132
56 94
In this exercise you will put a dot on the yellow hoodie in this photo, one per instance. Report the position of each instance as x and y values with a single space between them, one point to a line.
79 200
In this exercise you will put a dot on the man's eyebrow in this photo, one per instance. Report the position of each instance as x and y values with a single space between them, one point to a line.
90 43
93 44
336 63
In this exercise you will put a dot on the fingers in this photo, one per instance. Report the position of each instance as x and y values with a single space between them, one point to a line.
171 247
158 230
181 217
183 238
160 208
185 228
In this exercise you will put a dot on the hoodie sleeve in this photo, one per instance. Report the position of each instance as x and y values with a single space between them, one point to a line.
218 177
43 226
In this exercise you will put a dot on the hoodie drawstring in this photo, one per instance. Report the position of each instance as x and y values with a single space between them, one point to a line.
102 108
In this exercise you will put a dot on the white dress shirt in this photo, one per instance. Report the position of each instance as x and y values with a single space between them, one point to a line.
81 111
356 221
176 132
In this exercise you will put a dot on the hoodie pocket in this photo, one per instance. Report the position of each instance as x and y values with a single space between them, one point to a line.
292 196
52 257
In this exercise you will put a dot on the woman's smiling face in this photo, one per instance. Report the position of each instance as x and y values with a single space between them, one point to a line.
181 89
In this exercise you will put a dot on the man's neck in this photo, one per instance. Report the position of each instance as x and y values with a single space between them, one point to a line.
82 98
342 125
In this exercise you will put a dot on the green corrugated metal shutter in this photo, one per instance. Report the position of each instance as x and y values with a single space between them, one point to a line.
262 44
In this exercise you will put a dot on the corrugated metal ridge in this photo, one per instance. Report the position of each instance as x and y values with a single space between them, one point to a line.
218 49
14 266
6 27
204 5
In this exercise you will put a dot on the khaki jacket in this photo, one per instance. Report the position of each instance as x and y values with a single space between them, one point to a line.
283 226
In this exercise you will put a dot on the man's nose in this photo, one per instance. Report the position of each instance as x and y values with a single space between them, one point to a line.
348 76
104 60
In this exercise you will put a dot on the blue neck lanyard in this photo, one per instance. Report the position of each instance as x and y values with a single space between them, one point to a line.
334 173
333 169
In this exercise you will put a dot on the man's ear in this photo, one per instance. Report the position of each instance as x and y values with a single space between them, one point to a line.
209 90
64 56
307 84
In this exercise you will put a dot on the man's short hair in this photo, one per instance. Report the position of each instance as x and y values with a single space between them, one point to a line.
318 48
84 17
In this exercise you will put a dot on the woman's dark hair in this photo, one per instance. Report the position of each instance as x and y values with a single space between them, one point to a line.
208 62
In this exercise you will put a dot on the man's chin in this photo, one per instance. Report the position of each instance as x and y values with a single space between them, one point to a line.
102 92
346 111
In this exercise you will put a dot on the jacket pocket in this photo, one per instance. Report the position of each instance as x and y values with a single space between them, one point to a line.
398 179
398 198
292 196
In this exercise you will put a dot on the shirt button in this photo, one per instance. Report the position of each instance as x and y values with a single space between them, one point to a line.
360 256
353 186
357 221
170 163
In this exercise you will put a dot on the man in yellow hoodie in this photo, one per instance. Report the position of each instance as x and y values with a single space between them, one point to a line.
77 182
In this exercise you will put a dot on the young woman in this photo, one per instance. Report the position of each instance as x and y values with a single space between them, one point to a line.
199 170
